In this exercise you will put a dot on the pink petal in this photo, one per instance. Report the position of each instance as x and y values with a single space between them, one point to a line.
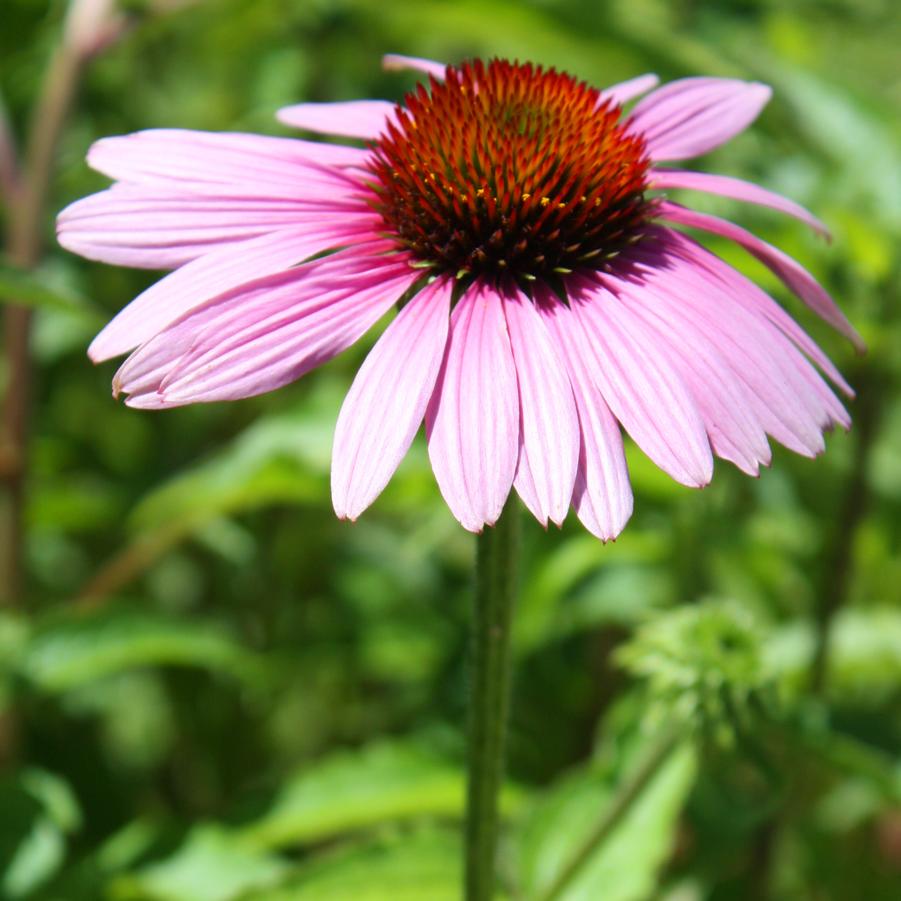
692 116
642 389
223 322
736 189
215 273
202 162
387 401
549 425
734 432
756 351
266 335
472 420
625 91
133 225
602 494
394 62
757 301
792 273
352 118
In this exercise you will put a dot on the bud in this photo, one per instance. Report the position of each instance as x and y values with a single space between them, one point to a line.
702 664
91 25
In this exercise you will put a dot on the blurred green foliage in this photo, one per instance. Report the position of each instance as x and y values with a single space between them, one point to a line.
219 692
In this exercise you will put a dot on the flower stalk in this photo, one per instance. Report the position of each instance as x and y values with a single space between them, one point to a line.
490 668
26 190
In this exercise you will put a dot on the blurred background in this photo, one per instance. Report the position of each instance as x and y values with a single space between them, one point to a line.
212 690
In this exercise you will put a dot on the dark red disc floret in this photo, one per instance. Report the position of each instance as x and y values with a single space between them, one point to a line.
508 168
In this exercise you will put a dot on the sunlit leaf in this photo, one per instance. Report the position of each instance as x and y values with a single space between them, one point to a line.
384 782
864 653
38 812
78 648
280 459
209 866
626 865
403 867
29 289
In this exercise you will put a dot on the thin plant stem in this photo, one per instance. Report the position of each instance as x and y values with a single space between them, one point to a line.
625 796
27 200
495 593
9 161
834 587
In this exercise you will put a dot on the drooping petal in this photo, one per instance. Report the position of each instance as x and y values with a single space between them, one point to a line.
472 420
757 353
549 425
735 188
602 494
215 273
364 119
201 161
755 300
790 271
270 333
133 225
224 321
734 433
628 90
693 116
394 62
387 400
640 386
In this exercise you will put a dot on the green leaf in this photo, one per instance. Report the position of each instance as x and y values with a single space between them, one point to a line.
625 867
576 587
403 867
279 459
383 782
209 866
855 130
864 653
27 288
79 648
38 812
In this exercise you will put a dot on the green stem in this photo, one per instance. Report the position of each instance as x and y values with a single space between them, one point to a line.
496 580
626 795
838 573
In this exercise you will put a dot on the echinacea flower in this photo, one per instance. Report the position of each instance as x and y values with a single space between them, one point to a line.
514 215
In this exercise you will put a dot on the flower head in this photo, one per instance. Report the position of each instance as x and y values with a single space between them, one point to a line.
515 215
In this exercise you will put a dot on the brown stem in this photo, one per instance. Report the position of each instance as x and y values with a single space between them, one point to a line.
9 161
28 196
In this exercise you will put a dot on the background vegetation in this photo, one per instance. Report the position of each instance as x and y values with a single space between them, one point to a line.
215 691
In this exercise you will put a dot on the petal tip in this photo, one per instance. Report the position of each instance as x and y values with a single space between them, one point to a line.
285 114
398 62
96 353
346 516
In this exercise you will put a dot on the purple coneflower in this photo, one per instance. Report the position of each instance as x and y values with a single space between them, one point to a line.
514 214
